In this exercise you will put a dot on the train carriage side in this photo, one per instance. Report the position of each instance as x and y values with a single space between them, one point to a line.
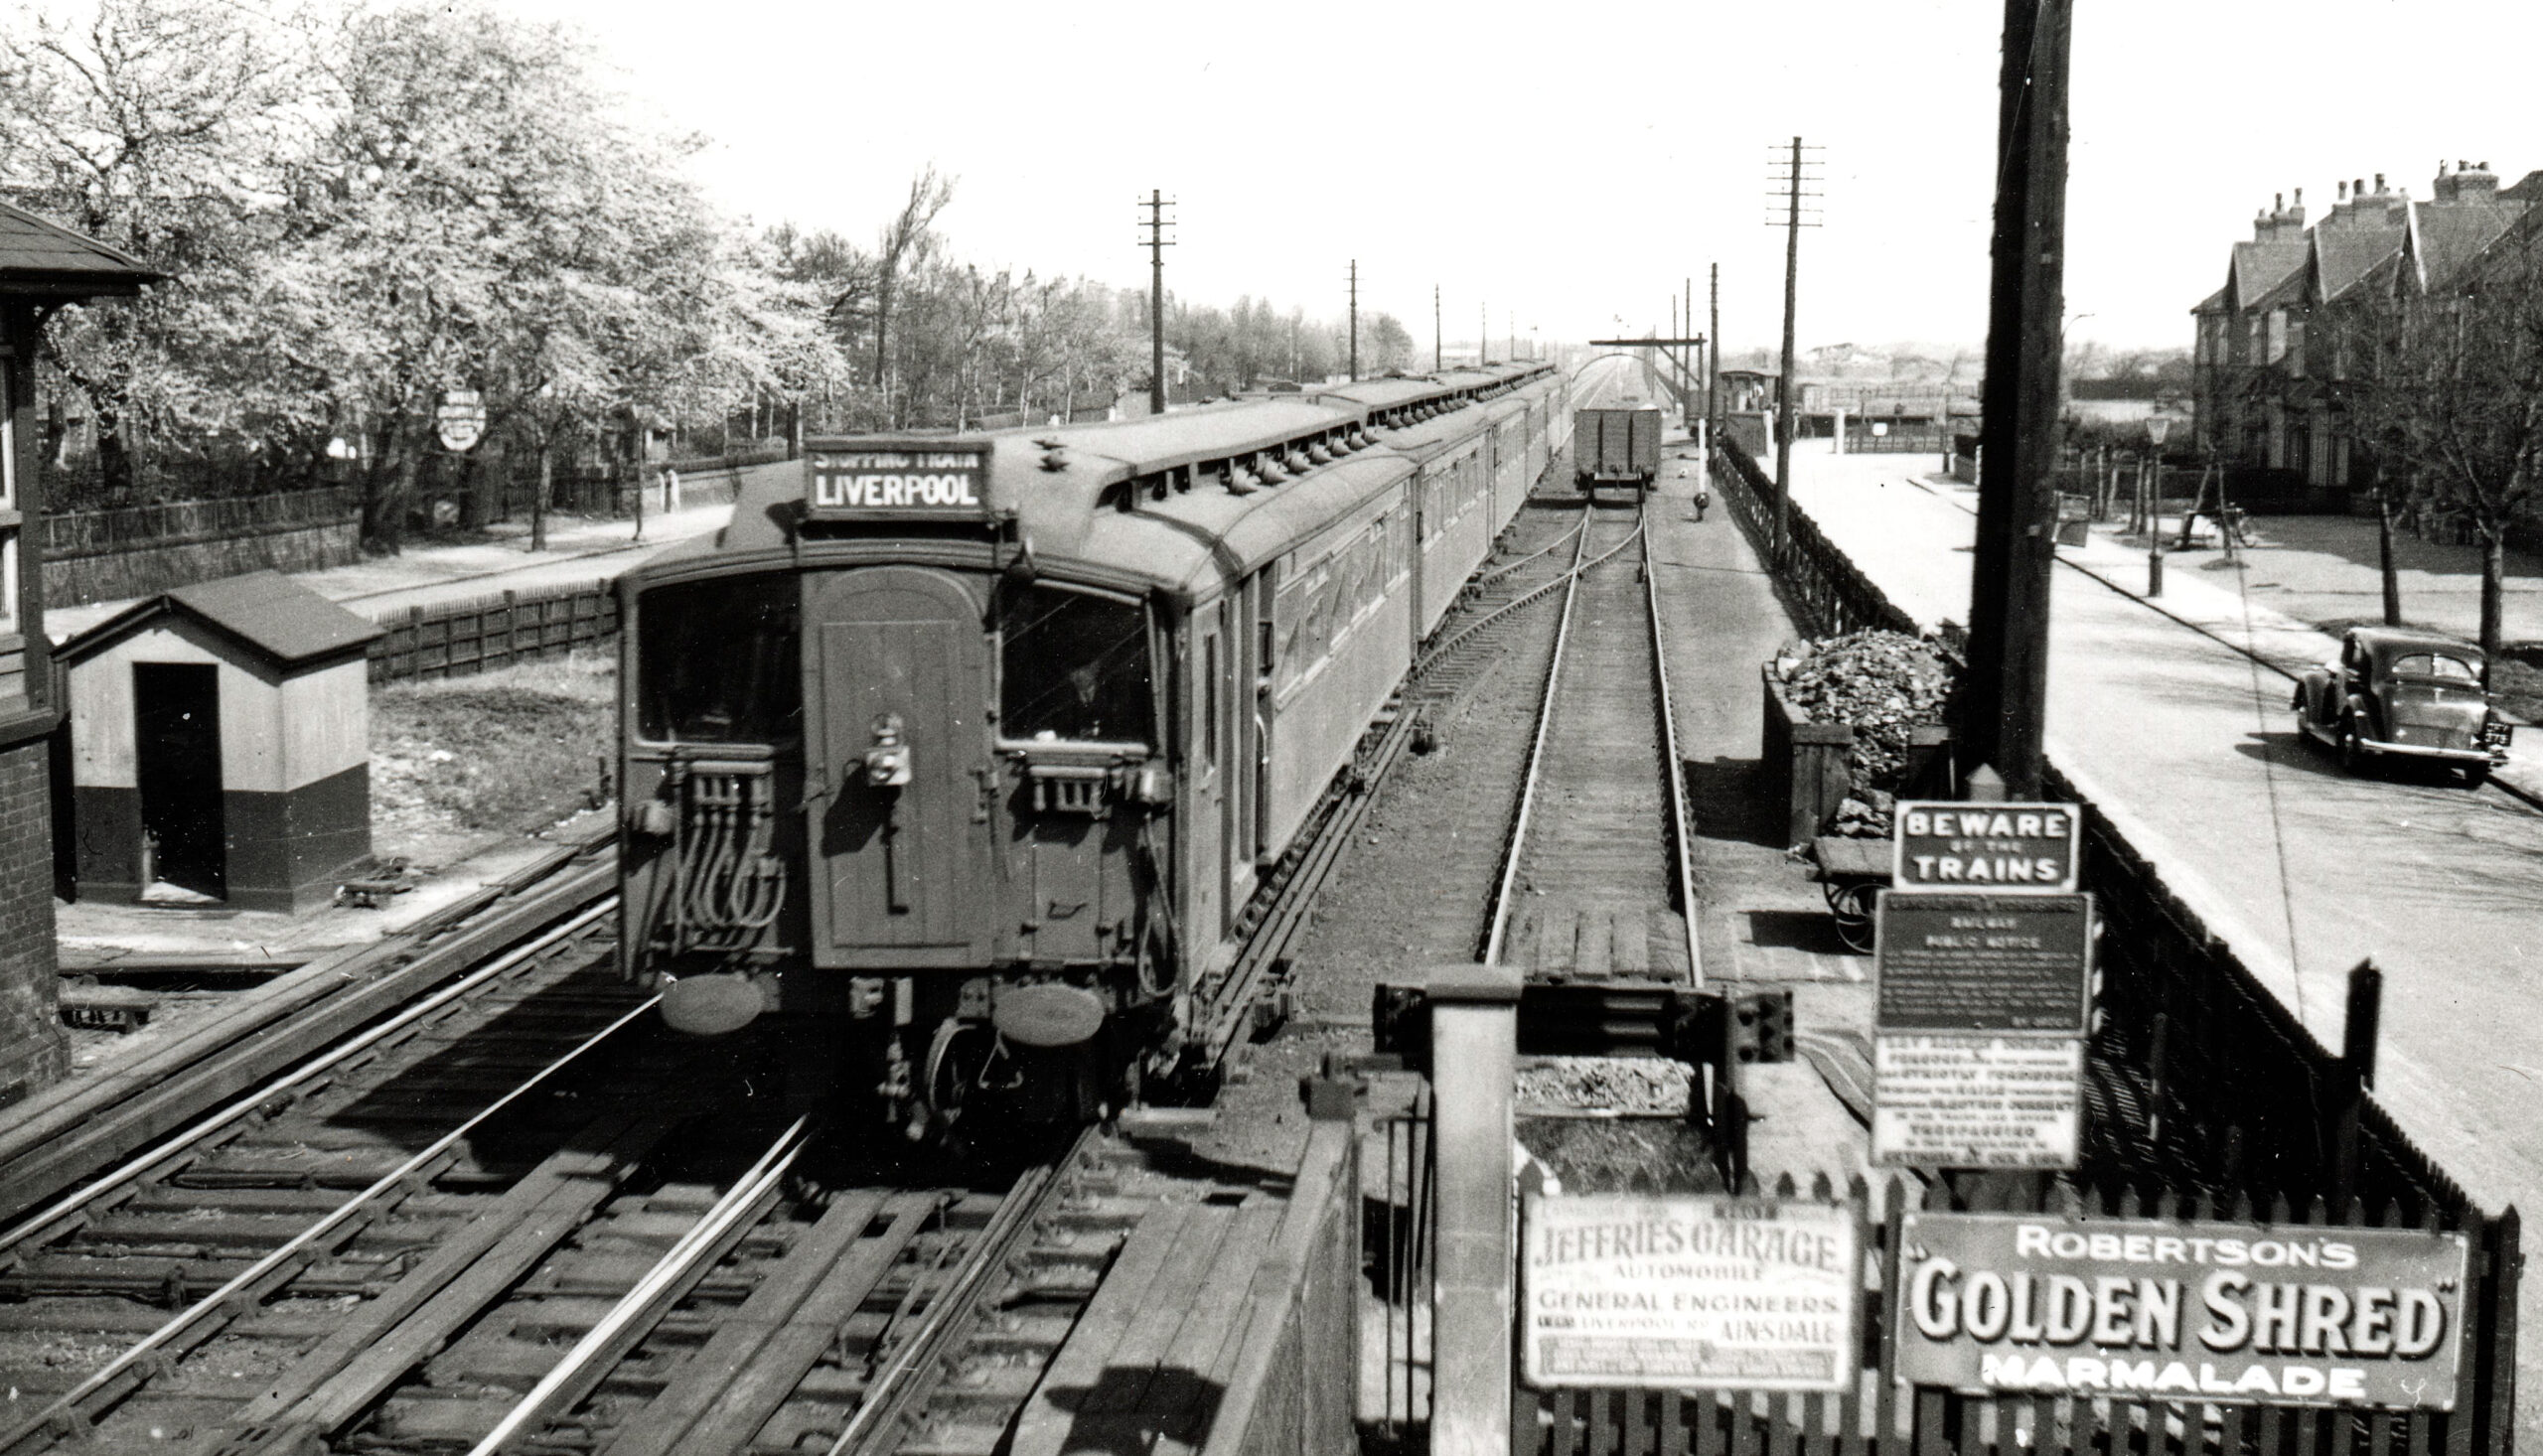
1454 490
1506 428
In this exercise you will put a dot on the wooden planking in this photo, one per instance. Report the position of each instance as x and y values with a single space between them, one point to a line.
1076 1376
461 638
712 1406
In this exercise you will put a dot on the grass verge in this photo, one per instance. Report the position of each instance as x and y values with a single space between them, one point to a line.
458 759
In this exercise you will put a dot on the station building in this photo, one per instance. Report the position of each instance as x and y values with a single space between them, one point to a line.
42 268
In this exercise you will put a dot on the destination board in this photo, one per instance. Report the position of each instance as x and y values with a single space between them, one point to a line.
1700 1290
880 478
1983 962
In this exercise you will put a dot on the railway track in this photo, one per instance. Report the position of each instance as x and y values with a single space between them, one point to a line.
1255 991
1581 891
129 1300
409 1223
630 1289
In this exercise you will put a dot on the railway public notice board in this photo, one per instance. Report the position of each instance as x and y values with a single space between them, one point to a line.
1977 1101
1981 965
2217 1312
1696 1290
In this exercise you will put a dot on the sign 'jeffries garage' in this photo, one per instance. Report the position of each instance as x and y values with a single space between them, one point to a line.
1997 1303
893 477
1696 1290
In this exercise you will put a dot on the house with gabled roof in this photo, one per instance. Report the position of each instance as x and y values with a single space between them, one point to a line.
2276 340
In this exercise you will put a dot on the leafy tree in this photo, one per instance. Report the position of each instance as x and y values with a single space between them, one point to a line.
1388 345
165 128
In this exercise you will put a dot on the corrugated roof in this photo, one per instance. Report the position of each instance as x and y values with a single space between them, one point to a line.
31 248
278 618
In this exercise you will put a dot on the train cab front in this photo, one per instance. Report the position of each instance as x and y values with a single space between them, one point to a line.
902 786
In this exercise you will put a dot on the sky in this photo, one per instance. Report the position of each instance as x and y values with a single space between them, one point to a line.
1563 170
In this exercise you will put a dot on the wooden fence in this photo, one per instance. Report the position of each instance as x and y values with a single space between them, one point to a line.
1882 1417
461 638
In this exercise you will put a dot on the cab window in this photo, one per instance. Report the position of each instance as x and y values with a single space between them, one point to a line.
1075 668
716 662
2436 667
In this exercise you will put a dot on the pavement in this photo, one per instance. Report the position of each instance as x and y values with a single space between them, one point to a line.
580 550
2174 716
2271 601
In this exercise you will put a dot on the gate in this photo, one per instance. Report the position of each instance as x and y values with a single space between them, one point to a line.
1400 1215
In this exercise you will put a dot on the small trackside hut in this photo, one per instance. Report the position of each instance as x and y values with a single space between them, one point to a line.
221 746
979 748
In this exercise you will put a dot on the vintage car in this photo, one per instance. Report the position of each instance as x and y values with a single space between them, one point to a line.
2407 693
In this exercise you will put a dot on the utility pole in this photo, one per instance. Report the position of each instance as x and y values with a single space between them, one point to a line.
1712 363
2004 700
1355 318
1482 333
1438 345
1784 393
1155 223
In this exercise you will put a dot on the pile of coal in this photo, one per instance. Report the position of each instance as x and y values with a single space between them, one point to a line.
1882 683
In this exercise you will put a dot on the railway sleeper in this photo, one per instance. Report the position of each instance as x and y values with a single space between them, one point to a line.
962 1439
609 1278
984 1388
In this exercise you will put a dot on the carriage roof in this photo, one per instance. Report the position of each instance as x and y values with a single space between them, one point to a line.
1140 499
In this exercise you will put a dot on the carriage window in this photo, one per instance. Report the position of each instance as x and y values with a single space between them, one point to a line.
716 662
2436 668
1076 668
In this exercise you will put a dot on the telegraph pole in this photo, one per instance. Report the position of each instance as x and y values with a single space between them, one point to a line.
1155 223
1355 318
1784 393
2004 701
1436 346
1712 363
1482 333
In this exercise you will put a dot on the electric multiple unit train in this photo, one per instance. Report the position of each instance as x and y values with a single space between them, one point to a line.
974 748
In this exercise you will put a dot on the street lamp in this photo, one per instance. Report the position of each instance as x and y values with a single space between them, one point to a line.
2157 427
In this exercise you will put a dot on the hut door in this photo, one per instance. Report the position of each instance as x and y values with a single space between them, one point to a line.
175 708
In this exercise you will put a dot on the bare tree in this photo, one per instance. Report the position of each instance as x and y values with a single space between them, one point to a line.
906 233
2452 398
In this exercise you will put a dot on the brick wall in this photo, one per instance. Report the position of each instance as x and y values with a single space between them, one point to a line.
33 1051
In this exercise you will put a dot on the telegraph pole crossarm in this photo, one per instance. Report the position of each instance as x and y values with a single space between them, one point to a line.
1156 222
1693 340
